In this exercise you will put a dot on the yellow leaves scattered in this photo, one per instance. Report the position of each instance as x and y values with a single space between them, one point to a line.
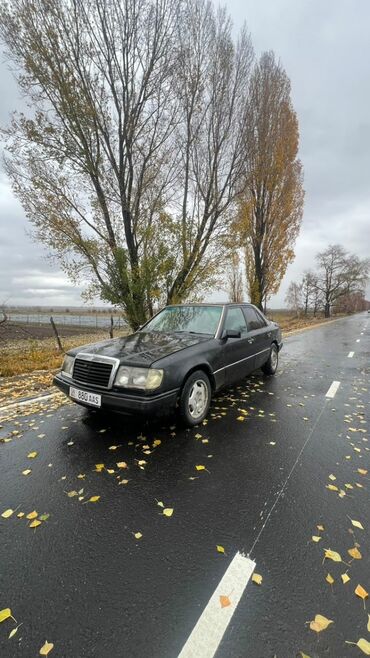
35 523
200 467
257 579
113 447
168 511
46 648
99 467
355 553
32 515
32 455
316 538
122 465
27 471
320 623
362 644
362 593
5 614
332 555
332 477
332 487
71 494
240 418
329 579
320 528
362 471
7 513
138 535
345 578
220 549
357 524
224 601
93 499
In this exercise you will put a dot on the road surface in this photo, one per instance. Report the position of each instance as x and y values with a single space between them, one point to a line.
282 460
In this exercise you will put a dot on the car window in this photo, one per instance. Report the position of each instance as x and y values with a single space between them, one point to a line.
195 319
236 320
254 320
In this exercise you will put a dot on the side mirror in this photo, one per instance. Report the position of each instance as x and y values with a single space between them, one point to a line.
232 333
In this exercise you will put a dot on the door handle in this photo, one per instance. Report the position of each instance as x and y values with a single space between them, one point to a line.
250 340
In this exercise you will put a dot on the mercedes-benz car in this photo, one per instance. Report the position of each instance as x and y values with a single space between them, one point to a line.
174 362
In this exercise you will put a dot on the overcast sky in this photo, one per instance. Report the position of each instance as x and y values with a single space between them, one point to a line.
325 49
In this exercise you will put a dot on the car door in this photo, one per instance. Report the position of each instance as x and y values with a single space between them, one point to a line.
259 334
237 352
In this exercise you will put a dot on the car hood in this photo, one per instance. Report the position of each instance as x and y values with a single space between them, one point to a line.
142 348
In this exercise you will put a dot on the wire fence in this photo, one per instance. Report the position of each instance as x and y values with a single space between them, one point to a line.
69 319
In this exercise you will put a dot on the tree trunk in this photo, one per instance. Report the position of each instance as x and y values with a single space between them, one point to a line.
327 310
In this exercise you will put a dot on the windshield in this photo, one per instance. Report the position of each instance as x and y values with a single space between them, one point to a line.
194 319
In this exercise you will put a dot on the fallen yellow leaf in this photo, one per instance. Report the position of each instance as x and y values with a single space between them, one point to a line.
368 623
27 471
70 494
20 515
362 644
316 538
138 535
93 499
34 523
121 464
345 578
332 487
46 648
5 614
200 467
320 623
168 511
7 513
32 455
99 467
361 592
332 477
13 632
113 447
225 601
32 515
355 553
257 578
362 471
357 524
322 529
332 555
220 549
329 579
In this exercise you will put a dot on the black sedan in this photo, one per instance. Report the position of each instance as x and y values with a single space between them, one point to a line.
176 361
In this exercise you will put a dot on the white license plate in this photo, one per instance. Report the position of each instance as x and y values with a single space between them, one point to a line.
85 396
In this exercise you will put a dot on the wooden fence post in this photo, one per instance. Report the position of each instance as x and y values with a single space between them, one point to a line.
111 327
60 347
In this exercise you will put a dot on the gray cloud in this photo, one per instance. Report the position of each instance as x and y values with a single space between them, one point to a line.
324 48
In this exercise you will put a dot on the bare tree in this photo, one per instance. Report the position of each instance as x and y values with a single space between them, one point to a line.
309 289
272 201
293 297
340 274
235 280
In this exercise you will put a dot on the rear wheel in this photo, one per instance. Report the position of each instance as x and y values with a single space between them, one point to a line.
195 399
270 367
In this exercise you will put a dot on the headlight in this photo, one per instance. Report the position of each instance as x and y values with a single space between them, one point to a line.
146 379
67 367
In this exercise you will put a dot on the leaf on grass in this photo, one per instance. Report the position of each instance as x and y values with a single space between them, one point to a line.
93 499
329 579
34 523
345 578
220 549
332 555
27 471
257 578
225 601
320 623
316 538
355 553
357 524
32 515
7 513
200 467
138 535
362 644
32 455
168 511
46 648
121 465
5 614
361 592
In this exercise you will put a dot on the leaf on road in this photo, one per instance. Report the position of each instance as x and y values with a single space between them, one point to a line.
332 487
32 455
362 644
332 555
200 467
71 494
225 601
121 465
332 477
220 549
168 511
46 648
20 515
345 578
93 499
34 523
113 447
320 528
7 513
304 655
329 579
5 614
27 471
368 623
316 538
32 515
257 578
99 467
13 632
320 623
81 476
138 535
357 524
361 592
44 517
362 471
355 553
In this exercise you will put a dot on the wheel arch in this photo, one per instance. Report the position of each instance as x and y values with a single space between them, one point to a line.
206 369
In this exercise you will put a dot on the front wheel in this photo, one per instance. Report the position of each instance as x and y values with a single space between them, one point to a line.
270 367
195 399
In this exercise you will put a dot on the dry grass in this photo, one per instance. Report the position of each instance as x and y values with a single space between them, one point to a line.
288 321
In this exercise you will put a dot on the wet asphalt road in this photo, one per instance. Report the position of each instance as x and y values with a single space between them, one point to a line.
82 581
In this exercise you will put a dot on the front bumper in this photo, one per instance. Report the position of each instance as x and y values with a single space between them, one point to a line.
144 405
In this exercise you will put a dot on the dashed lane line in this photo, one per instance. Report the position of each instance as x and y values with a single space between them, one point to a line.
350 355
209 630
332 390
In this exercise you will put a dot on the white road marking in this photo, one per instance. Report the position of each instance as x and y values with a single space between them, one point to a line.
208 632
332 390
358 340
350 355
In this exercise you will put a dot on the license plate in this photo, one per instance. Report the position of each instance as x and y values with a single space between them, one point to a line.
85 396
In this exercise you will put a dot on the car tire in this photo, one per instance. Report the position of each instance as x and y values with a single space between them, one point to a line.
195 399
270 367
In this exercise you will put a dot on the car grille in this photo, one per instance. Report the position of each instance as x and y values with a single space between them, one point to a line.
96 373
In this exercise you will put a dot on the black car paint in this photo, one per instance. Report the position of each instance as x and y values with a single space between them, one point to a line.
225 360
